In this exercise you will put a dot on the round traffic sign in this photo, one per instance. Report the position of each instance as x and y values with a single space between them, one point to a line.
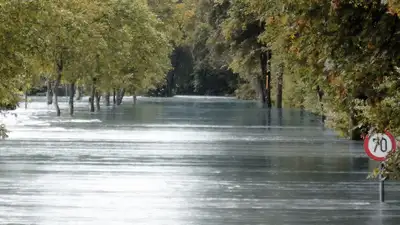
378 145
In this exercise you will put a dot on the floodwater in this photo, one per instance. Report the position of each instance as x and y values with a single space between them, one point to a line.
184 160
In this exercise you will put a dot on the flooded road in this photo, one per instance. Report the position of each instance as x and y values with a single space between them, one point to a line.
184 160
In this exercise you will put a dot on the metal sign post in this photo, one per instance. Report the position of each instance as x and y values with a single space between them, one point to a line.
378 146
381 184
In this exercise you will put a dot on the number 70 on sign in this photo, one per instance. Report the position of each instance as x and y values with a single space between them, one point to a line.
379 145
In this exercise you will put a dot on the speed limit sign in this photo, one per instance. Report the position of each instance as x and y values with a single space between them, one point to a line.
379 145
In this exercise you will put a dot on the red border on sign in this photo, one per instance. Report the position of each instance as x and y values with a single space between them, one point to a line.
372 156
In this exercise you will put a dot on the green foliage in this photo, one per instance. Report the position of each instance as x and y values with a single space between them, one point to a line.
341 57
390 169
245 91
109 44
194 69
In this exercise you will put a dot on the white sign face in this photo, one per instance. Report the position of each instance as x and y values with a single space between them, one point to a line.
378 146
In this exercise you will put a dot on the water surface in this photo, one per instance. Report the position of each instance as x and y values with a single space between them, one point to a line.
184 160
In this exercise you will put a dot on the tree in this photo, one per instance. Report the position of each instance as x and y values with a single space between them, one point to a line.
18 48
137 57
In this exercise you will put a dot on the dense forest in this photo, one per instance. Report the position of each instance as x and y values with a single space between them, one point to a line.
338 58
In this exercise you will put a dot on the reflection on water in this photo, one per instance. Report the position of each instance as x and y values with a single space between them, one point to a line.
184 160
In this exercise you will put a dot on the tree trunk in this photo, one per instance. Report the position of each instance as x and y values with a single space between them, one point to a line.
134 99
280 117
170 83
114 96
353 130
279 94
56 85
117 97
71 98
26 99
260 89
120 96
268 80
49 92
320 93
91 98
107 98
264 74
98 96
79 92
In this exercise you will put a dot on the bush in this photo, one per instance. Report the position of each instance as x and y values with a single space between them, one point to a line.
391 167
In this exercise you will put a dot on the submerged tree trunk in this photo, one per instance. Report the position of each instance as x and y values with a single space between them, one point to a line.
262 88
114 96
55 87
320 93
279 94
71 98
268 80
26 99
107 98
134 99
120 96
79 92
98 96
280 117
49 92
170 84
265 72
92 96
354 132
259 83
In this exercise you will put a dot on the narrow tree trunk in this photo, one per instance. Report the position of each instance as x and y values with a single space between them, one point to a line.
268 80
26 100
262 88
320 93
49 92
279 87
95 93
117 97
79 92
134 99
55 88
353 130
107 98
170 83
114 96
280 117
98 96
120 96
92 96
71 98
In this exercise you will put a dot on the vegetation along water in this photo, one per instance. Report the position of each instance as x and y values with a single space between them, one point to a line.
338 60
